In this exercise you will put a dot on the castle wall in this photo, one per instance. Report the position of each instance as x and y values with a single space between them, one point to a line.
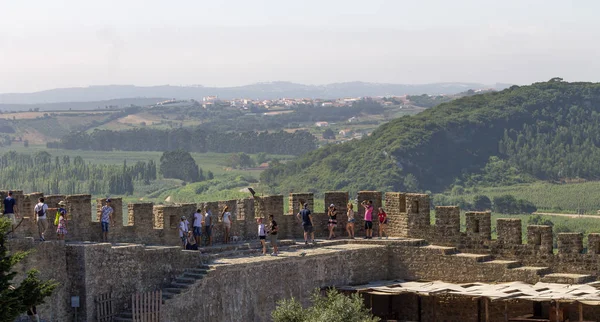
122 270
248 289
50 259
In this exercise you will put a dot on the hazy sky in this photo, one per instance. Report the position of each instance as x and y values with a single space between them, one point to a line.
51 43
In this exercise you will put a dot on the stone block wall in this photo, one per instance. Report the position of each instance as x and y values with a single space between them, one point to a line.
79 213
417 211
447 220
539 237
395 204
570 243
593 244
509 231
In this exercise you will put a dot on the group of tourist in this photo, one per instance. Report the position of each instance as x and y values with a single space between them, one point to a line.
305 217
203 223
41 214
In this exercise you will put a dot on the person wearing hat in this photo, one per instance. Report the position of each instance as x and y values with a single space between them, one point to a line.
332 213
61 229
106 218
10 210
183 231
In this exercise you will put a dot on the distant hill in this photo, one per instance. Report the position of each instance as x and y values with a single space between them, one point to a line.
79 106
255 91
545 131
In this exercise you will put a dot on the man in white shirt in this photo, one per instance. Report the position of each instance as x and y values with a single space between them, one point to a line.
183 230
198 219
40 213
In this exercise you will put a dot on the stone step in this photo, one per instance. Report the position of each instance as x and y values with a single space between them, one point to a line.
167 295
185 280
180 285
126 315
197 270
538 270
444 250
564 278
475 257
173 290
194 275
504 263
120 319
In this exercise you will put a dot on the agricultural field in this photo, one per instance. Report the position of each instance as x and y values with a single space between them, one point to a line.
548 197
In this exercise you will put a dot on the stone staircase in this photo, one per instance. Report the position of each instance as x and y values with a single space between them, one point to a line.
177 286
511 270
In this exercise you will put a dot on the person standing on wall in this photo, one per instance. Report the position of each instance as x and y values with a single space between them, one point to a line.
382 216
208 225
106 218
307 223
226 217
198 219
10 210
332 222
351 220
61 221
40 212
368 218
273 234
183 231
262 235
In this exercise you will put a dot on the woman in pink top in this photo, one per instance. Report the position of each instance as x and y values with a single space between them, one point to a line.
368 218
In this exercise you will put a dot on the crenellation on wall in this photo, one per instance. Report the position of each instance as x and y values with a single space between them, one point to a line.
593 244
340 200
418 214
509 231
295 201
447 220
569 243
79 214
395 207
539 238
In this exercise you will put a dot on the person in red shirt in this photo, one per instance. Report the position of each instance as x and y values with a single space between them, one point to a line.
382 223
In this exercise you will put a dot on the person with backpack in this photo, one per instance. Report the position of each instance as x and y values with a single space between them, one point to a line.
60 221
40 212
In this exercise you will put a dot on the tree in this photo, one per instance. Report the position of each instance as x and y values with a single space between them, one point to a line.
481 203
334 307
328 134
15 300
179 164
411 183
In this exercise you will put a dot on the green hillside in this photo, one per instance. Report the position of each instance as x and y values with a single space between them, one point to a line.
546 131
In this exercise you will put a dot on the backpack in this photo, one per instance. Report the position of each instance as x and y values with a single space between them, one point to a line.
41 212
57 218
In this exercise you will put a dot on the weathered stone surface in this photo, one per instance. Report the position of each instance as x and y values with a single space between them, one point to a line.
509 231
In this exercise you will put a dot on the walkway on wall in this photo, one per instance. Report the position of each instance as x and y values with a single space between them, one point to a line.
214 257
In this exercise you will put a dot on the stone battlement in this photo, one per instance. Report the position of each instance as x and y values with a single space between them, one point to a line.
408 216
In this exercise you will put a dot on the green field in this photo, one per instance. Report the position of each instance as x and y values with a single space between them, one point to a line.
549 197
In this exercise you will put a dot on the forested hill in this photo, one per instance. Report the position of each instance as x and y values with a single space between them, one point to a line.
546 130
